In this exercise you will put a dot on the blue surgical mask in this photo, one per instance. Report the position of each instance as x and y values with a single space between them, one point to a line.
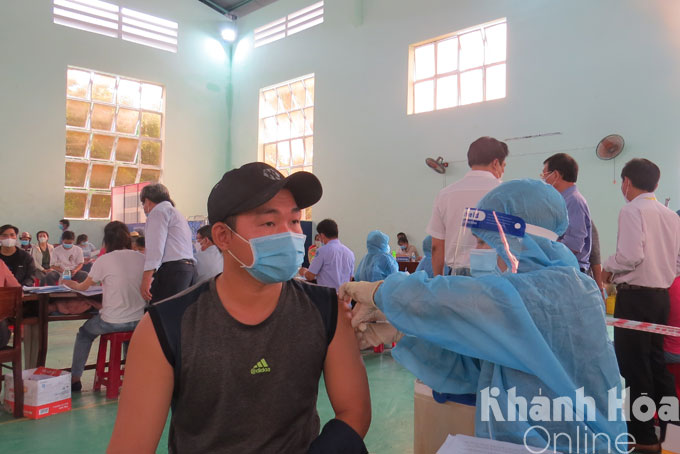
24 242
483 262
276 258
67 246
61 227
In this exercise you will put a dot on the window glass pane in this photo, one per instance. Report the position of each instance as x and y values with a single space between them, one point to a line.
309 85
471 86
471 50
297 123
126 149
126 121
125 175
298 152
495 43
103 88
309 121
78 83
100 178
151 125
309 150
283 127
77 113
74 204
128 93
151 153
269 104
150 175
76 172
269 129
424 96
424 61
101 146
270 154
152 97
299 94
495 82
285 98
76 143
447 55
100 206
447 92
283 154
102 117
284 172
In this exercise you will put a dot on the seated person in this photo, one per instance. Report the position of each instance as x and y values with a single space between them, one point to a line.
41 254
462 334
378 263
66 257
426 262
17 260
120 273
405 249
89 251
209 260
7 279
253 342
25 242
314 248
138 244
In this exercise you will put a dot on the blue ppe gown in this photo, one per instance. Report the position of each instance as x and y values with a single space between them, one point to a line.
536 334
378 263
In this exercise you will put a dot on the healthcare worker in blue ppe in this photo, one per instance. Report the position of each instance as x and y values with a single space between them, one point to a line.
378 263
426 262
528 337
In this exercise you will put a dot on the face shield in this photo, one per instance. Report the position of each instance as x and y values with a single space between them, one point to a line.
493 234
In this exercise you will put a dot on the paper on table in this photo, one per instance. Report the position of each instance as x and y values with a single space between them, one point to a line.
47 289
463 444
94 290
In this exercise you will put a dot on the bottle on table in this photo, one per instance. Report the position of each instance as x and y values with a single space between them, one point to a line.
413 256
65 276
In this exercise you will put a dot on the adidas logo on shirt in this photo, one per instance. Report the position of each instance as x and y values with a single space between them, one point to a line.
260 368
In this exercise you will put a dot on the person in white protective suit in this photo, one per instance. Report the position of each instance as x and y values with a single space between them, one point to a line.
528 332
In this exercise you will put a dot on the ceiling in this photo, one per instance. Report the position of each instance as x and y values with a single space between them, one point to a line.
237 8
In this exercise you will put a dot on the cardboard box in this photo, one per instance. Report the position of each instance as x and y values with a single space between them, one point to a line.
671 444
46 392
433 422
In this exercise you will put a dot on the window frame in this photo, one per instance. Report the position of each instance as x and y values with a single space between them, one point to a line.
87 129
412 82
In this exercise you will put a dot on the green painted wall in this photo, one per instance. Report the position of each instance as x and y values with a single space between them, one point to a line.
35 54
581 67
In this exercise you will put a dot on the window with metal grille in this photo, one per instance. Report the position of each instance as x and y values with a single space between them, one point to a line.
111 20
114 137
460 68
293 23
286 137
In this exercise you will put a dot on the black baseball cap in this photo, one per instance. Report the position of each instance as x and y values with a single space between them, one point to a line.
255 183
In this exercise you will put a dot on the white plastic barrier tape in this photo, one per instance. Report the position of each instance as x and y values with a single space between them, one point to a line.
643 326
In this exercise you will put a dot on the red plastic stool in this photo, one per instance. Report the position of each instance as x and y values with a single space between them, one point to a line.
110 374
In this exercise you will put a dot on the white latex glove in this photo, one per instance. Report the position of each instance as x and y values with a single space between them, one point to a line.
361 292
375 334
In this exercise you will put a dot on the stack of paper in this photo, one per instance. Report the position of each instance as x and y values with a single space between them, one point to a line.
462 444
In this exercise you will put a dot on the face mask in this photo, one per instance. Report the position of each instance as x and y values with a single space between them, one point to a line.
545 177
483 262
9 242
67 246
318 244
625 193
43 239
61 227
276 258
403 248
197 246
25 242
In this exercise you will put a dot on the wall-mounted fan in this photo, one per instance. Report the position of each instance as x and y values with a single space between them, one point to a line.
609 147
438 165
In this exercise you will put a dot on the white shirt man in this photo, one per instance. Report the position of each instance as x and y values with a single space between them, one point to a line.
486 158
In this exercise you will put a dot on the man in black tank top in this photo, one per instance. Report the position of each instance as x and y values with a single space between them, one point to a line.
238 358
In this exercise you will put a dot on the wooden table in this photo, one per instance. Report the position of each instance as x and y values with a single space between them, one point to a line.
43 318
408 266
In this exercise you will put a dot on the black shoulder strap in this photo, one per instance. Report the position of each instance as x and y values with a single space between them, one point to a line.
326 301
